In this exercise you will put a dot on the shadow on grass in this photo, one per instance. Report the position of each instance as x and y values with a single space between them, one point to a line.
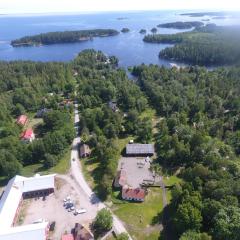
165 218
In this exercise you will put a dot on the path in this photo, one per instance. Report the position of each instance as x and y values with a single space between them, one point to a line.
164 194
77 173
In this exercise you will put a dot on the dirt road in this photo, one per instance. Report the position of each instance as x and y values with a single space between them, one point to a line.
77 174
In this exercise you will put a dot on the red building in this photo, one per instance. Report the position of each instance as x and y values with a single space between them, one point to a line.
28 135
136 194
22 120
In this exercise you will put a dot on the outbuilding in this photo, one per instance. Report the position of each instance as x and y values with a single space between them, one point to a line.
22 120
131 194
137 149
85 151
27 136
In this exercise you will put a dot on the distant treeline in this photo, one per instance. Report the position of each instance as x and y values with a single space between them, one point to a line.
63 37
208 45
181 25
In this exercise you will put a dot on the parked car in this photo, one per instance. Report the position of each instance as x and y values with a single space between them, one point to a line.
40 220
80 211
71 209
69 205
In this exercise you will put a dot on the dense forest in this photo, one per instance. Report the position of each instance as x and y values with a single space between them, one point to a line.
63 37
99 84
25 88
181 25
199 133
209 45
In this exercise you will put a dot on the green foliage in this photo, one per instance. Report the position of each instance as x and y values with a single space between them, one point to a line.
103 221
122 236
198 132
191 235
227 223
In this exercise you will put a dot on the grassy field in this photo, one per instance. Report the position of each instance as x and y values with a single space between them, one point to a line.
141 219
61 168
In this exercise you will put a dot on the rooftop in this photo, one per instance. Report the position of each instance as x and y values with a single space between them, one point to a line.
137 148
11 199
130 193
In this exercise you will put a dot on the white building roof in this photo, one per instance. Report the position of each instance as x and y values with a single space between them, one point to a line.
27 232
11 198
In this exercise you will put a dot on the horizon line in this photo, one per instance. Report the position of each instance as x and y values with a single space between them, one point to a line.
114 11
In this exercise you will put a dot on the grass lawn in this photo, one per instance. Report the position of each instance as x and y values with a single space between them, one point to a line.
89 167
63 165
34 122
141 219
61 168
170 181
149 112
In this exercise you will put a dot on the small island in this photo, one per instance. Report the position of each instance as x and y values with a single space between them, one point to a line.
63 37
122 18
143 31
125 30
181 25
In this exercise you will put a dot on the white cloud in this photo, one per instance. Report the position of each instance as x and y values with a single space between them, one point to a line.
45 6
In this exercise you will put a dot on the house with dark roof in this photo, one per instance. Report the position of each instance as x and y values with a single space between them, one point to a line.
81 233
133 194
113 106
85 151
137 149
22 120
41 112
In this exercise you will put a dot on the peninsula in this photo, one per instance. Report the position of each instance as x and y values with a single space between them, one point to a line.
209 45
63 37
181 25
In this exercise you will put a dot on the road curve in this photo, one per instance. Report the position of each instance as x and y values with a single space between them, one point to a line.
77 174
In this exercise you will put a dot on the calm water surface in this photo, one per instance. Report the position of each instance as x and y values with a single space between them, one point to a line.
128 47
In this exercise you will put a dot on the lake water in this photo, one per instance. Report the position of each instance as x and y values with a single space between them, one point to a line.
128 47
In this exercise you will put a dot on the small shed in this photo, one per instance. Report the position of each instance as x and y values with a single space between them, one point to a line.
22 120
85 151
113 106
137 149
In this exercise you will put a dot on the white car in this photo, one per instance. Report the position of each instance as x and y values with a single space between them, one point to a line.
40 220
80 211
71 209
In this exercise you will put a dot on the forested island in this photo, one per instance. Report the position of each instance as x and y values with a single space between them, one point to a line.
208 45
181 25
143 31
125 30
203 14
63 37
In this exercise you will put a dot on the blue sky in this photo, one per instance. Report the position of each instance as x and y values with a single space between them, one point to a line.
47 6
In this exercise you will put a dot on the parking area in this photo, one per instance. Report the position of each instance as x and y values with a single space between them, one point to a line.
52 208
137 170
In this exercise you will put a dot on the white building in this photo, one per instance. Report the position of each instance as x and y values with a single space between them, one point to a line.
17 189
